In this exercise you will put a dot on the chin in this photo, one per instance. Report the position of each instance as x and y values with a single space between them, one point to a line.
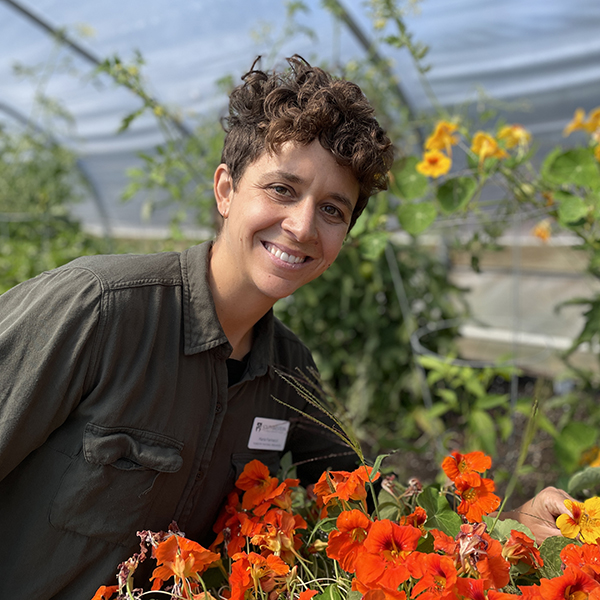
278 292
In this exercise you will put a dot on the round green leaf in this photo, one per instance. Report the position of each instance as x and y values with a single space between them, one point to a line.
373 244
439 513
406 182
456 193
416 218
588 479
500 529
550 552
571 208
572 441
577 166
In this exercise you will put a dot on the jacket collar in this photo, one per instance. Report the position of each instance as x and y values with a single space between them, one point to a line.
202 330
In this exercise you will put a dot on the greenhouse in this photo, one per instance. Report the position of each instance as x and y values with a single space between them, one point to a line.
458 325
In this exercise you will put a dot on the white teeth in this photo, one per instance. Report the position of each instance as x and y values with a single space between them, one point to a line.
288 258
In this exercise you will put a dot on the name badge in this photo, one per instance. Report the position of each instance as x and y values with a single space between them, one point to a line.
268 434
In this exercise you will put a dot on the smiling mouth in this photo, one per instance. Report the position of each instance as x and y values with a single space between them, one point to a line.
284 256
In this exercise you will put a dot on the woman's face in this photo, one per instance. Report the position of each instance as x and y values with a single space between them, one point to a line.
286 220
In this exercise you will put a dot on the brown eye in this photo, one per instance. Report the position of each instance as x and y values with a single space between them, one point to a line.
281 190
333 211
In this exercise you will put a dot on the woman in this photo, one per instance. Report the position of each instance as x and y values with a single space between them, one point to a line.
135 388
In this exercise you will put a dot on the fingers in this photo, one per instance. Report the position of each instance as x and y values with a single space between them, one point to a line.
542 533
554 500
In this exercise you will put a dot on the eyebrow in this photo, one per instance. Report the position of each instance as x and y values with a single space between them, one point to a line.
293 178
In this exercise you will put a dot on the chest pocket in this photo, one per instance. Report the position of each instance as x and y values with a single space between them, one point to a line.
107 490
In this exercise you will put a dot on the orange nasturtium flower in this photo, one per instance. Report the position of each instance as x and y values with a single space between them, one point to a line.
343 485
475 554
104 592
417 519
466 467
514 135
281 497
597 152
573 584
492 568
528 592
442 542
584 520
182 559
346 542
472 588
258 484
437 577
258 572
477 500
543 230
585 557
486 146
521 548
434 164
229 524
278 534
387 547
443 137
377 593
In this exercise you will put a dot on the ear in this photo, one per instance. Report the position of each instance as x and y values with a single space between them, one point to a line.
223 189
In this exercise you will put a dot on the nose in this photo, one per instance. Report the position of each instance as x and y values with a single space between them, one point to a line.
300 221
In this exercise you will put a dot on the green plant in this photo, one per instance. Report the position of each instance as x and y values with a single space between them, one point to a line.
39 182
275 540
463 390
352 319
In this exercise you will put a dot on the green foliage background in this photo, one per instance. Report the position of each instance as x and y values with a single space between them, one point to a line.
354 318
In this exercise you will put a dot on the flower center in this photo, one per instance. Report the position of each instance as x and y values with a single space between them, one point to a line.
358 535
469 495
576 595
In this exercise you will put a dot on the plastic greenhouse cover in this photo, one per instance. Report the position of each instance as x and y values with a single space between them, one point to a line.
542 54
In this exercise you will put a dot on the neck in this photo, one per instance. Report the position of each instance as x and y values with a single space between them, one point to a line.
238 308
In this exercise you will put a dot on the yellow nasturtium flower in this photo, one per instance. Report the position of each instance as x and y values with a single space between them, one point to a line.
543 230
576 123
486 146
514 135
584 520
434 164
597 152
592 124
443 137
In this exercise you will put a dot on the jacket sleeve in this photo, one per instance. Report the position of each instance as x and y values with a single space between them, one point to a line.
48 327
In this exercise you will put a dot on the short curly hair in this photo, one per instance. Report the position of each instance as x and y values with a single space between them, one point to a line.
301 105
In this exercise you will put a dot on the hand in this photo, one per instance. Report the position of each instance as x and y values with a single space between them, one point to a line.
540 513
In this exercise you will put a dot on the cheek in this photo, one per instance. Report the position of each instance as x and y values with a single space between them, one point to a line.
259 218
332 247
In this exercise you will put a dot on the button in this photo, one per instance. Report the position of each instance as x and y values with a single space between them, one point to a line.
199 475
218 408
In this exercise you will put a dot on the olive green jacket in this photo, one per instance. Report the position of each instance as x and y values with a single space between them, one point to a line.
116 416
